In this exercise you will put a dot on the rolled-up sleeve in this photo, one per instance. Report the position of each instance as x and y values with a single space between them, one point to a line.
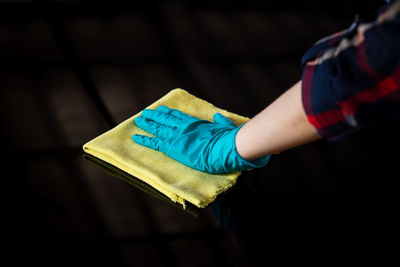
352 78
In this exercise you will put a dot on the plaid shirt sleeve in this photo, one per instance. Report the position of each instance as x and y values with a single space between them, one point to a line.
352 78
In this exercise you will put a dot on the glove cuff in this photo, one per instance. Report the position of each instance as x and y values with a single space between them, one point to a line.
244 164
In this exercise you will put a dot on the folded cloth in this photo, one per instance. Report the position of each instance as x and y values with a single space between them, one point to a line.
175 180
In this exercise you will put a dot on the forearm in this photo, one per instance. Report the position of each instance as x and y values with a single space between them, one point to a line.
280 126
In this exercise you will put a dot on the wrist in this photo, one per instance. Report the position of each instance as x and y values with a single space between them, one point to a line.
246 162
245 147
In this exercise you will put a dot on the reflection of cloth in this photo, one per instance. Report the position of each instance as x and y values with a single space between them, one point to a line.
352 78
114 171
168 176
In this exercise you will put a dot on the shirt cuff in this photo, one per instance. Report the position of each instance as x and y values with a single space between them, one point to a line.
321 103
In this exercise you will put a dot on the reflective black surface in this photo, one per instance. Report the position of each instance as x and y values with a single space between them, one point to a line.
72 70
114 171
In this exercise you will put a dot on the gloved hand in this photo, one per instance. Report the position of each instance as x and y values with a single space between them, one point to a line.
199 144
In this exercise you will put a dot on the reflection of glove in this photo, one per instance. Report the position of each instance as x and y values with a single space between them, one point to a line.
200 144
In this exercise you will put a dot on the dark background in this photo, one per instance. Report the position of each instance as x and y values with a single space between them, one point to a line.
71 70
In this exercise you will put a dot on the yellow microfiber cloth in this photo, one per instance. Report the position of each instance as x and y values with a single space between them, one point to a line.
175 180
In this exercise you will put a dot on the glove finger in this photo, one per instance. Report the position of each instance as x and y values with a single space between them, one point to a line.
162 117
221 119
176 113
157 129
150 142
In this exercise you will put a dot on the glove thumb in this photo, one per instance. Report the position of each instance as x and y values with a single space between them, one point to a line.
221 119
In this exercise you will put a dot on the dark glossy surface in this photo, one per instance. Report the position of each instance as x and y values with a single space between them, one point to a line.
71 73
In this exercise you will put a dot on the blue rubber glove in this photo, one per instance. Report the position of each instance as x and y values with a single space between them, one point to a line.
199 144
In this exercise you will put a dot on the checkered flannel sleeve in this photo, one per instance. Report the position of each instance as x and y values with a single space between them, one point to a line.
352 78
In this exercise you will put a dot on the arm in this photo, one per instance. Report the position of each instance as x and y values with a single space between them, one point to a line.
280 126
363 85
